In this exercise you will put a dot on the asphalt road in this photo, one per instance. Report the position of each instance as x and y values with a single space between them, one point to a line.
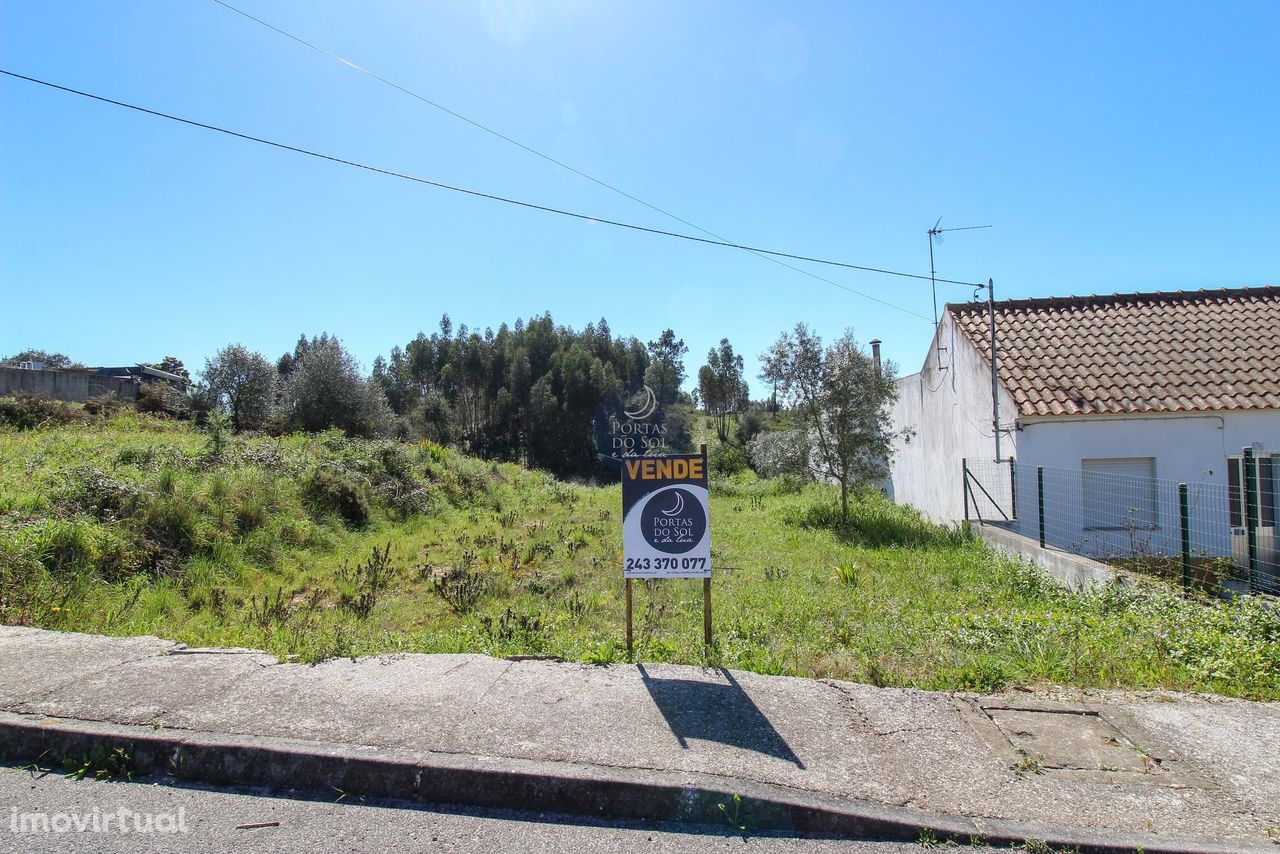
213 817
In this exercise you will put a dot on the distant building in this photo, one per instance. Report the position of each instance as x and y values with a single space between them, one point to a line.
142 374
77 385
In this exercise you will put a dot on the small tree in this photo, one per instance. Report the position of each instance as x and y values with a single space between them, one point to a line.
721 386
326 389
845 401
244 384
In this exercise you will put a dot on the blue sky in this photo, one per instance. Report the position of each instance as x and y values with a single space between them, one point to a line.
1113 147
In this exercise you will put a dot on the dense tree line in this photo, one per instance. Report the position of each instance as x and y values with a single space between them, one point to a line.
526 392
530 393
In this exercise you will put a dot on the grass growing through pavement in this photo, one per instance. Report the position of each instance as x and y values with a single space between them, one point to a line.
321 546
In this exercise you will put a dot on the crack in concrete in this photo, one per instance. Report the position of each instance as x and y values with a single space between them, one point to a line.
913 729
847 700
455 667
255 652
35 698
446 737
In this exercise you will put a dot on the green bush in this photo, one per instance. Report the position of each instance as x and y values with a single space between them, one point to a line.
728 459
105 404
163 399
328 490
750 425
30 411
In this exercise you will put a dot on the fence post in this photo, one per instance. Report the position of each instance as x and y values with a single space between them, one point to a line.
1251 516
1184 515
1013 488
1040 490
964 463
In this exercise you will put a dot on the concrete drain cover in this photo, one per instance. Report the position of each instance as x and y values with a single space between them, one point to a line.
1077 740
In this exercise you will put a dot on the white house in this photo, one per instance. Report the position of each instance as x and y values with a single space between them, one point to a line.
1118 397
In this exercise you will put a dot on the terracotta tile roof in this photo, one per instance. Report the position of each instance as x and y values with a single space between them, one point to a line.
1182 351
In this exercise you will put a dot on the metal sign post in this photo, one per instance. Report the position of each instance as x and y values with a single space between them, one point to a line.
666 531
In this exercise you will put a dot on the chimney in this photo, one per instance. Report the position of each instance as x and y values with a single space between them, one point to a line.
875 353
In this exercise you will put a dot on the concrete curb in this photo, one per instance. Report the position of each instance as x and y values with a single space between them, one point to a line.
528 785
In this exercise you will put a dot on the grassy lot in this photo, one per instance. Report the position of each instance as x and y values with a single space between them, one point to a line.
321 546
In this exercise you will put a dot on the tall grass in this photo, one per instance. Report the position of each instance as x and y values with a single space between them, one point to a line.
130 526
875 522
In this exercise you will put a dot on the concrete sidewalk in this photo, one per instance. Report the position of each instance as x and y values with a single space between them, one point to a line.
1106 770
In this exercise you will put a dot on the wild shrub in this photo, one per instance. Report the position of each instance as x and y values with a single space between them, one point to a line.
515 628
780 454
539 550
105 404
162 399
360 587
329 490
728 459
33 411
91 490
405 499
265 610
460 588
750 425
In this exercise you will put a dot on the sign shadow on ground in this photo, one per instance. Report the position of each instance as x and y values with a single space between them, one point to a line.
717 712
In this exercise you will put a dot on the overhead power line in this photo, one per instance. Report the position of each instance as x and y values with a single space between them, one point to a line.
517 143
474 193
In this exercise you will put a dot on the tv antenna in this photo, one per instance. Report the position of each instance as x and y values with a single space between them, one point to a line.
936 233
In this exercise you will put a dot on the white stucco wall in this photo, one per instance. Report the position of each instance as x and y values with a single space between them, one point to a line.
1190 448
948 406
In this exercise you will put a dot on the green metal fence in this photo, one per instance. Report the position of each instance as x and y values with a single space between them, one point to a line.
1212 536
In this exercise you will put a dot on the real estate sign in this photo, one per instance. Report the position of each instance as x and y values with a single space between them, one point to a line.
666 531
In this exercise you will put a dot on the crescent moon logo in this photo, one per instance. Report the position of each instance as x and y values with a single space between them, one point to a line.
679 508
645 409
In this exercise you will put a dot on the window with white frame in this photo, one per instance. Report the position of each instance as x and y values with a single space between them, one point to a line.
1119 493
